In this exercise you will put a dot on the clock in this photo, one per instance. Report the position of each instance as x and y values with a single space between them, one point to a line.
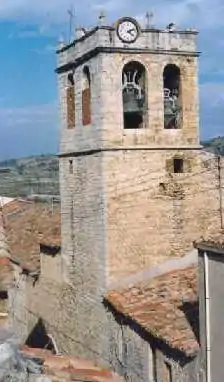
128 30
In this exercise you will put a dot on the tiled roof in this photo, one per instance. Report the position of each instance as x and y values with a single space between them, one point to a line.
215 241
15 205
27 225
6 274
165 306
68 368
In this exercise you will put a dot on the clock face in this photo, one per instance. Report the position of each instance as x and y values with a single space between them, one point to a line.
127 30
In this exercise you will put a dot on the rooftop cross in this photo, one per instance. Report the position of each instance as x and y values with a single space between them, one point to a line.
71 22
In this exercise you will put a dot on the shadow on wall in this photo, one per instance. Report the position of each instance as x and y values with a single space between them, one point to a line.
191 311
39 338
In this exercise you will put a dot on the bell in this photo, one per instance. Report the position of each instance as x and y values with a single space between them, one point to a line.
131 103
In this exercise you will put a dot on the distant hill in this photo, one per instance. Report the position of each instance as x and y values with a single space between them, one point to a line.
40 174
215 145
28 176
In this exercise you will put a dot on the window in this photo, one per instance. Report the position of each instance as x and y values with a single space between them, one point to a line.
70 98
70 166
153 374
86 97
178 165
167 372
134 95
172 97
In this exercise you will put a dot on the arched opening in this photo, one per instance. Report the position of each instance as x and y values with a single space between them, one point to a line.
134 95
70 101
86 97
172 97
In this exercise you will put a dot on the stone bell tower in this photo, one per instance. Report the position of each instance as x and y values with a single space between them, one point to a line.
129 124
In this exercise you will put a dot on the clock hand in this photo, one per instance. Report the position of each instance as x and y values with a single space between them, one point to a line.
130 31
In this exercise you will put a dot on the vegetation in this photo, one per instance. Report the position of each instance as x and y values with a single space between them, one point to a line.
29 176
215 145
40 174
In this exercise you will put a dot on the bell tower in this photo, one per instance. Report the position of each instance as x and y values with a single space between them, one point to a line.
129 130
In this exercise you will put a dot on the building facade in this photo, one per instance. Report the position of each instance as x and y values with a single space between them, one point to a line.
136 189
134 183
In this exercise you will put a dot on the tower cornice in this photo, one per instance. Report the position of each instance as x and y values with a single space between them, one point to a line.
122 50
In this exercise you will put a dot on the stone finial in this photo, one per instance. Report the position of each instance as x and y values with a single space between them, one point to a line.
170 27
79 32
149 18
4 247
102 18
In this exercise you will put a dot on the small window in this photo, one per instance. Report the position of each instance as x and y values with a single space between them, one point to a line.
120 344
70 167
178 165
154 365
167 372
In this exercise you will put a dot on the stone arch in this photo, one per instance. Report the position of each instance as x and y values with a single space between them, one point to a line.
86 96
172 97
134 95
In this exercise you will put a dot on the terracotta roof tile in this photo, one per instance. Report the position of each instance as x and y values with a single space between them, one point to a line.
213 241
6 274
70 368
165 306
26 225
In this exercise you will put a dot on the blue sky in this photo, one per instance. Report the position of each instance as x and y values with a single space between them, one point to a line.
29 31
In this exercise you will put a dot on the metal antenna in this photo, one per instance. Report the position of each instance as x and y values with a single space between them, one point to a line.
149 18
71 22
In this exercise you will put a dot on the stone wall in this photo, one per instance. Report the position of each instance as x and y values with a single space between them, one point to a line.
154 135
122 208
130 355
57 305
154 214
181 370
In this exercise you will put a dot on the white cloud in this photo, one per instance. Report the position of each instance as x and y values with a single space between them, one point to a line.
212 99
48 49
38 114
51 17
201 13
29 130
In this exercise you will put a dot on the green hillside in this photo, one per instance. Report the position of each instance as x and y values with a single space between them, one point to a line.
215 145
28 176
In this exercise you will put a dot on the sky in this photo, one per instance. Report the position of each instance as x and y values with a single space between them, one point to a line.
29 33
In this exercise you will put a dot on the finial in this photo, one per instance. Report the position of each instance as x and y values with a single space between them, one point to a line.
149 17
79 32
102 18
71 14
170 27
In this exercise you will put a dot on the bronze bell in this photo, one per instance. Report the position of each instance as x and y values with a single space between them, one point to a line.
132 104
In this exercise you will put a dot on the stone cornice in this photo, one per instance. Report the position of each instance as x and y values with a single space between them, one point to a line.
111 28
72 65
127 148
